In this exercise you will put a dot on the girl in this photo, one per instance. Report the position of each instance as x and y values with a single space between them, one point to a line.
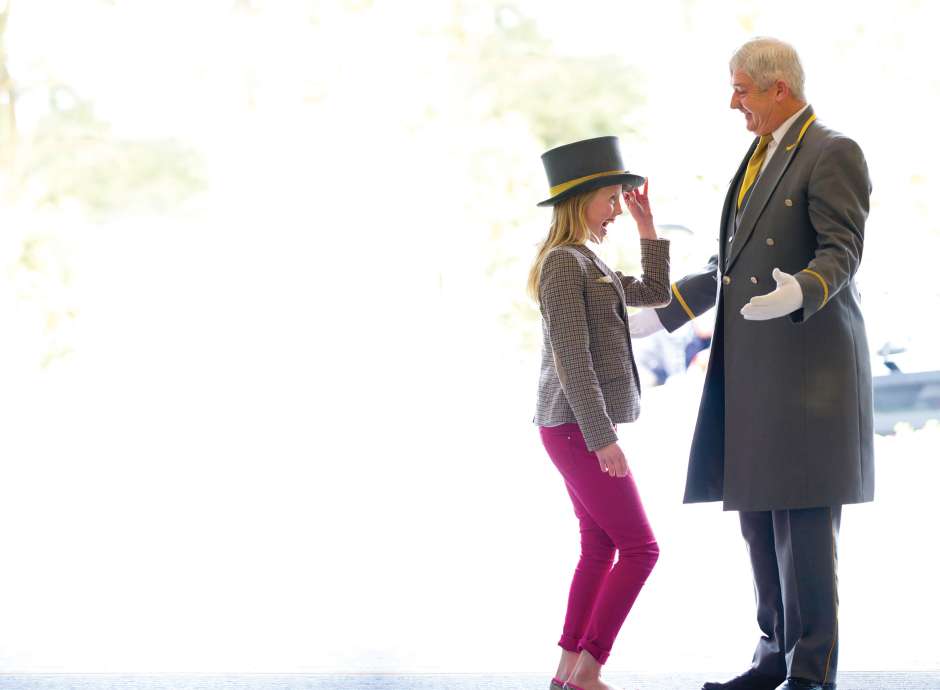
588 384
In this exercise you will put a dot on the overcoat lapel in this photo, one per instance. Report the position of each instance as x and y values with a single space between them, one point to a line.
727 213
767 183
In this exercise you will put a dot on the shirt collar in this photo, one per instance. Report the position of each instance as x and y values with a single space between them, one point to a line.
781 131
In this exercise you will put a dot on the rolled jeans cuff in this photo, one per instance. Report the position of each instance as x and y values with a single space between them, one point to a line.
569 643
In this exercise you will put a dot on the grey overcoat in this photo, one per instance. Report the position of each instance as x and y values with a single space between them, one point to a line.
785 419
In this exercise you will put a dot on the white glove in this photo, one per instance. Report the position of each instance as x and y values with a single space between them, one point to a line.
786 299
645 322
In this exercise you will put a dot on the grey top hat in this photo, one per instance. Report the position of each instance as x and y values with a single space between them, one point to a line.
585 165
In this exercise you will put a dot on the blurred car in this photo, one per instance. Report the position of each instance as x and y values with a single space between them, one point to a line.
906 386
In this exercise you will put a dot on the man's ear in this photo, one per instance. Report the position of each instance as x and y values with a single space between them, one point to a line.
781 90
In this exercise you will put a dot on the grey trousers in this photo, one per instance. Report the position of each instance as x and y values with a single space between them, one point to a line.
794 560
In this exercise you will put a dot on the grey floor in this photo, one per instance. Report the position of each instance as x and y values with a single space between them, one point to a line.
847 681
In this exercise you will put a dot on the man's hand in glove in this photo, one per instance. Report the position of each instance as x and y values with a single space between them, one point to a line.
786 299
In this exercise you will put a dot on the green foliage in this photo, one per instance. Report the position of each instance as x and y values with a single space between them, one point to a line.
73 155
564 98
534 97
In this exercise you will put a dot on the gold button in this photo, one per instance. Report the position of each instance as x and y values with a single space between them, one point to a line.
726 280
788 202
754 279
770 241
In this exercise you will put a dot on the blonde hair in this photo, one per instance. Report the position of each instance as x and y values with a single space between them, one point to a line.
569 227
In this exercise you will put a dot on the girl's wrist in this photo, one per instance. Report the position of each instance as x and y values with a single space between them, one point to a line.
647 231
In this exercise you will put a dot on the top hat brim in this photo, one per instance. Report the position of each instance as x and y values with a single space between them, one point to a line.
627 179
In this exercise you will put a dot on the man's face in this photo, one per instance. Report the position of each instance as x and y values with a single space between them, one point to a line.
759 106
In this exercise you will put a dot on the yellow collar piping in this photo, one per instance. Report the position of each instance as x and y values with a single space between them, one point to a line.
799 138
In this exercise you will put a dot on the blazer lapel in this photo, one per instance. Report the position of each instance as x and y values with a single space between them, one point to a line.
767 183
602 267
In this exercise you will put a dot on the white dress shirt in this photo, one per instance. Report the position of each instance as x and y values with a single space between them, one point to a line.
777 136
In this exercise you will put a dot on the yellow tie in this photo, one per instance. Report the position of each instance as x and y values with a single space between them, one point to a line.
753 167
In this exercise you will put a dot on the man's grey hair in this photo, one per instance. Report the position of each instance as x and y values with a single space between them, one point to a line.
765 60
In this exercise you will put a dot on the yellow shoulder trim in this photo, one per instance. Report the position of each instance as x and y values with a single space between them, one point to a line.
675 291
820 279
802 132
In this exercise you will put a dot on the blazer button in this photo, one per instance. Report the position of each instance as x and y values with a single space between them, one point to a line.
754 279
726 280
770 241
788 202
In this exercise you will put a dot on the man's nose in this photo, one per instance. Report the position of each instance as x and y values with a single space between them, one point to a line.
734 101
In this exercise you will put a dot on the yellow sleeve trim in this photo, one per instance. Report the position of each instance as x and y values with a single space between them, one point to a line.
820 279
685 307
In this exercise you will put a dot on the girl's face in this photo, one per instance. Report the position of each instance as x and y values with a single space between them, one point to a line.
603 209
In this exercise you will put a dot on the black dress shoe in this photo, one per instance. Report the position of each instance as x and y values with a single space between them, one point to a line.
749 680
803 684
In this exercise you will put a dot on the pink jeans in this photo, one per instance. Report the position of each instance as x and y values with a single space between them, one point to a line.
612 521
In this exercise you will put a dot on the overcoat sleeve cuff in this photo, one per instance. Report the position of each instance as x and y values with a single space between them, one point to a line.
815 294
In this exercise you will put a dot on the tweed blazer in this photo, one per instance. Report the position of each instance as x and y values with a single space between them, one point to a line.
588 374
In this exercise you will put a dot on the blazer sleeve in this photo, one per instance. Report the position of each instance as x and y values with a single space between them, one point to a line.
838 200
692 296
561 293
652 288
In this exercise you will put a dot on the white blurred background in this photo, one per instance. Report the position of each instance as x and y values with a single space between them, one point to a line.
267 364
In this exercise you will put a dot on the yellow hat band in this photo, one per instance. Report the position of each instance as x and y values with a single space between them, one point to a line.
565 186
